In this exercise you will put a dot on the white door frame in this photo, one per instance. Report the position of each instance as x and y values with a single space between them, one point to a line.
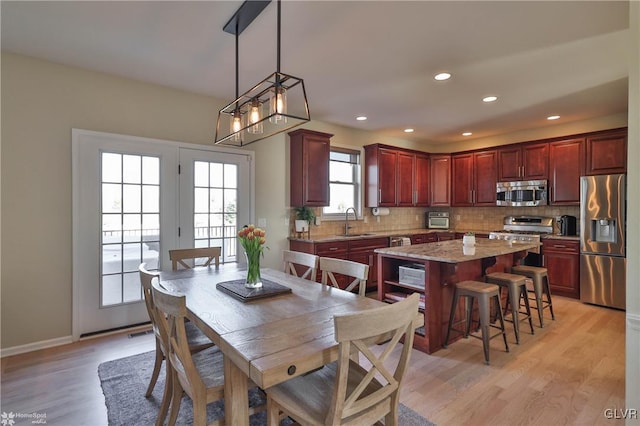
84 140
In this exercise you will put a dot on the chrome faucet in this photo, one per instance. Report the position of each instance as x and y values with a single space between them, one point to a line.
346 220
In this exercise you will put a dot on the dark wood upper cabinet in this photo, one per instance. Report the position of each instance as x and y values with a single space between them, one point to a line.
566 165
395 177
309 168
474 177
607 152
423 166
440 180
485 176
462 180
405 179
528 161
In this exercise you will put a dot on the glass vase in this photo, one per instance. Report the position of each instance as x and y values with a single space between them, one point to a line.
253 269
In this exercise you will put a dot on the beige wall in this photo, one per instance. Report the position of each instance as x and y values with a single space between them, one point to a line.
41 103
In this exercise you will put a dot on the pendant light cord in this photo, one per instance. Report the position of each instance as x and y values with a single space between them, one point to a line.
237 61
278 48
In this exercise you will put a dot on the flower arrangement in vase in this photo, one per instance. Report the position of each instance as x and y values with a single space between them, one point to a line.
253 242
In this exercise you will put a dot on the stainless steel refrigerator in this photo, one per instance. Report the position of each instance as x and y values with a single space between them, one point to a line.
603 260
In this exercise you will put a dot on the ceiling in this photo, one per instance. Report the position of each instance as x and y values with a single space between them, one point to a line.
372 58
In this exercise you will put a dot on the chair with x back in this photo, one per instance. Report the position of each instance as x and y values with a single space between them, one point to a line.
197 340
208 254
292 259
358 271
200 375
349 392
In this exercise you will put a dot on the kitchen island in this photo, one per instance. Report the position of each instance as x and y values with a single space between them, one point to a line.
444 264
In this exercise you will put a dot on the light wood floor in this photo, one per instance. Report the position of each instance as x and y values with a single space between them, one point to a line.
568 373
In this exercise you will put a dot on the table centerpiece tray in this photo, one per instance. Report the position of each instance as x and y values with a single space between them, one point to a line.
237 290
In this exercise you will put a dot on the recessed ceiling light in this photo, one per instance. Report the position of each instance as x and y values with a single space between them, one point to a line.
361 118
489 99
442 76
408 130
553 117
467 134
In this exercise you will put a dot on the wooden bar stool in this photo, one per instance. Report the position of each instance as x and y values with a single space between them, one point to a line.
540 286
472 290
516 285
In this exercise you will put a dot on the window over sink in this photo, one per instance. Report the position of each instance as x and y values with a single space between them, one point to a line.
344 183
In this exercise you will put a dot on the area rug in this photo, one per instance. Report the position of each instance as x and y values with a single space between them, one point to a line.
124 383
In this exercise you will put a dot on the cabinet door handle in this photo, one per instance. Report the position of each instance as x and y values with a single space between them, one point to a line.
559 246
470 197
380 195
333 248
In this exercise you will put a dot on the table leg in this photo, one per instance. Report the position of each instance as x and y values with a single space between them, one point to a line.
236 398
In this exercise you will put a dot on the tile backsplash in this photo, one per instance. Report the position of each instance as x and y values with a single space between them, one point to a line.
461 218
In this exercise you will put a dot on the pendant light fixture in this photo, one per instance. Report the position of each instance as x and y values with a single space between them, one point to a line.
274 105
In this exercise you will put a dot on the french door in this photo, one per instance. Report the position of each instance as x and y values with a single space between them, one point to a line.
134 199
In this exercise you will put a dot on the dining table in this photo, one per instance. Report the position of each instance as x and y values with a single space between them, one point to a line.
267 340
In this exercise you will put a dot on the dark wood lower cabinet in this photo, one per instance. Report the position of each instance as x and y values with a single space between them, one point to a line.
562 260
357 250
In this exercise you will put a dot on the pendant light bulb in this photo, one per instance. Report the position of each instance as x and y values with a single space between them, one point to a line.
278 105
255 117
236 126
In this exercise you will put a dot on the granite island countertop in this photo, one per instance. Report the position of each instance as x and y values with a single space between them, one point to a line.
454 252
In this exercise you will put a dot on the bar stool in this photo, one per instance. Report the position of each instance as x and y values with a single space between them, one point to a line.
516 285
472 290
540 286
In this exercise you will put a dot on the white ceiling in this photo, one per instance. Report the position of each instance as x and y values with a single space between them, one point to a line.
373 58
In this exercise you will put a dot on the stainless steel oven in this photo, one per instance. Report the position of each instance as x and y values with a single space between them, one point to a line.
525 229
522 193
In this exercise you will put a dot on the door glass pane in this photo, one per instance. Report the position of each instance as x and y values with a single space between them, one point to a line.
217 196
130 238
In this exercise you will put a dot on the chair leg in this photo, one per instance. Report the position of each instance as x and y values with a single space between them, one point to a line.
501 318
483 310
523 293
166 395
156 369
514 301
176 399
200 411
548 291
273 412
391 419
452 315
468 315
537 291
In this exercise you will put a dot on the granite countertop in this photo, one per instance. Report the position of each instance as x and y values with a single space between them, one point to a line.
454 252
560 237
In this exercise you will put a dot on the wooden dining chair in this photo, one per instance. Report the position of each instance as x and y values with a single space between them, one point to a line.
358 271
197 340
293 258
347 391
199 375
209 254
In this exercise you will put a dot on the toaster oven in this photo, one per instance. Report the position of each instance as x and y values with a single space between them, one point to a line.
437 220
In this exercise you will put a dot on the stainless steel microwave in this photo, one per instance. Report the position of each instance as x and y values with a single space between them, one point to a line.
522 193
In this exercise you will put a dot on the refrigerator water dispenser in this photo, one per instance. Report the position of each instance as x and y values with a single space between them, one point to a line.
604 230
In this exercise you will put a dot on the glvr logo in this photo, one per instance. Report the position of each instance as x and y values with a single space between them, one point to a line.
621 413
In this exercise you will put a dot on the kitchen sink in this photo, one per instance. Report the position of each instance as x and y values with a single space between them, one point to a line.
354 235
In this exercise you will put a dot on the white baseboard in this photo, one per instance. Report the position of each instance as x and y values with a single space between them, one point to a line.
29 347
